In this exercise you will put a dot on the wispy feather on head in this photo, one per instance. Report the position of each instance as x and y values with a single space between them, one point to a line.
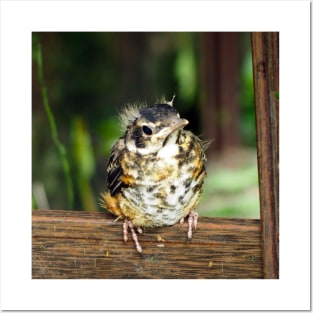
130 113
163 100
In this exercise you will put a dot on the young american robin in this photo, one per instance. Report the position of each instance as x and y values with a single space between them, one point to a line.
155 171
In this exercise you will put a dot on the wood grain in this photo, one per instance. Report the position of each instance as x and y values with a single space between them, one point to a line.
265 51
67 244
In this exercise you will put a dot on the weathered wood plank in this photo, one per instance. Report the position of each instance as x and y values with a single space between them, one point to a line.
265 51
69 244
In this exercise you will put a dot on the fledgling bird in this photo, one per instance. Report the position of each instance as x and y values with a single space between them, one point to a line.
155 171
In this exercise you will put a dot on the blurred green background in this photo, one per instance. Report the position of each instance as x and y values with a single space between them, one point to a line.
86 78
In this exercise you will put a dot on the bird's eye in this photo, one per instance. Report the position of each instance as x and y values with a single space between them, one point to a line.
147 130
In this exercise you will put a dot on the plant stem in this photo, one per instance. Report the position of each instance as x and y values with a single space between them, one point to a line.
54 132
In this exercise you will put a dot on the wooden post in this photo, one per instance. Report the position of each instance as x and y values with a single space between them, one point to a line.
265 52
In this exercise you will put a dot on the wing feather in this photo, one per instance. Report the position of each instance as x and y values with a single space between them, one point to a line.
114 168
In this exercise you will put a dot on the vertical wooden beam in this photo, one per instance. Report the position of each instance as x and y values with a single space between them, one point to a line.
265 53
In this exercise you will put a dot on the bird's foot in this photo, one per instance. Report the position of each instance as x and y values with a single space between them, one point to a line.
192 222
129 225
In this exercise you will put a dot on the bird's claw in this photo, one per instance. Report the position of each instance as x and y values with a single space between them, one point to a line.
129 225
192 222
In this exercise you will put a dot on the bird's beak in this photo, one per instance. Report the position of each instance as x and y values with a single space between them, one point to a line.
175 124
178 123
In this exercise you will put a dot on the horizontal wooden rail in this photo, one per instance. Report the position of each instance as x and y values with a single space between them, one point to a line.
67 244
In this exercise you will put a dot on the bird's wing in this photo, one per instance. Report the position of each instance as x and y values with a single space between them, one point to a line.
114 168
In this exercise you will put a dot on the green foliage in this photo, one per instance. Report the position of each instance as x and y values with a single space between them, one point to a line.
186 73
232 192
247 117
53 128
34 204
233 181
277 95
108 131
83 162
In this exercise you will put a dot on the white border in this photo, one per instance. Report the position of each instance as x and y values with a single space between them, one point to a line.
19 19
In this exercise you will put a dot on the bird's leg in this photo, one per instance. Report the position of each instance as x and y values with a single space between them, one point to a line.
192 221
128 224
125 230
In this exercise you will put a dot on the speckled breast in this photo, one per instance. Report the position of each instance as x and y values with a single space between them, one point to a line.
163 188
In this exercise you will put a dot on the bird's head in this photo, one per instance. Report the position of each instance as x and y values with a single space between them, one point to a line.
151 128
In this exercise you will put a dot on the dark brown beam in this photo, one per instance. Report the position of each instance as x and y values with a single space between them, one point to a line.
265 51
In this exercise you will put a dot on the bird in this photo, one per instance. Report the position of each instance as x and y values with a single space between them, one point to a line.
156 170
